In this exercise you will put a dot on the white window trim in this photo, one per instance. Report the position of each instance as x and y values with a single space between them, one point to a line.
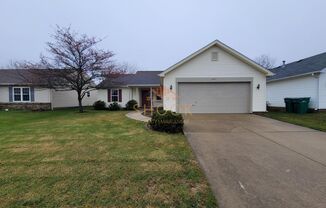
115 95
21 95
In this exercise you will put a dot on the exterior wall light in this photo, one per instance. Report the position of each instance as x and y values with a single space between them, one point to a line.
171 87
258 86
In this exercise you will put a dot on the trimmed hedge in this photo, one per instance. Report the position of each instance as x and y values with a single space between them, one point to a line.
114 107
131 105
99 105
166 121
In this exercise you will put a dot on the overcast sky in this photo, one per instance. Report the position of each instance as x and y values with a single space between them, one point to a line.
154 34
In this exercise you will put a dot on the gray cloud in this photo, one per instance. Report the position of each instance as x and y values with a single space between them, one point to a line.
155 34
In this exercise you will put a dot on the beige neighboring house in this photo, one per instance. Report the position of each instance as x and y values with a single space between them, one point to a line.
16 93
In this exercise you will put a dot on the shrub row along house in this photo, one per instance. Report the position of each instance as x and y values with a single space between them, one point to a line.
214 79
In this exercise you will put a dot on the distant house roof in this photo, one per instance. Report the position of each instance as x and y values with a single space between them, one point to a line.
19 77
305 66
140 78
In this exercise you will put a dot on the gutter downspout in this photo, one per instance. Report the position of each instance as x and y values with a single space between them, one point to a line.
151 91
319 87
318 93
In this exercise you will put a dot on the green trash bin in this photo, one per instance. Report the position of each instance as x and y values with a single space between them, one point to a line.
288 105
300 105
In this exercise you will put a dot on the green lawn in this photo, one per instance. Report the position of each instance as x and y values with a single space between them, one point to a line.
95 159
311 120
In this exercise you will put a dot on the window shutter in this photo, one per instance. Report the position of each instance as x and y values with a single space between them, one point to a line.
32 94
120 95
109 95
10 94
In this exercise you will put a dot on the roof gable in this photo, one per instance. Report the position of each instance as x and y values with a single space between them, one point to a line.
223 47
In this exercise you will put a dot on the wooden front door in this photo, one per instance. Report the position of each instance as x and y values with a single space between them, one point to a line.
146 98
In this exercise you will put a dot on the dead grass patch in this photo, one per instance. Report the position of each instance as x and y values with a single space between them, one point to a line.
158 154
166 166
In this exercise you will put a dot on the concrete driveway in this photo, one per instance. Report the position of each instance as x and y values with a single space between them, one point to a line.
252 161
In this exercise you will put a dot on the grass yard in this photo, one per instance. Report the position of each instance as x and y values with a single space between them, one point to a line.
95 159
310 120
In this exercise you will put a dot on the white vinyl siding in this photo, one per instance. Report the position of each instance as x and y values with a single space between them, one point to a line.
4 94
227 66
322 90
62 99
41 95
297 87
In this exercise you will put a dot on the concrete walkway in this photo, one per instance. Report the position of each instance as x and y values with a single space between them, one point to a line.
255 162
136 115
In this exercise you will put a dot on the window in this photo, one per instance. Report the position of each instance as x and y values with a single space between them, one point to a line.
26 94
22 94
114 95
17 94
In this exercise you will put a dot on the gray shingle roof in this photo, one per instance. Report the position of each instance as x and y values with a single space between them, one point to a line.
308 65
139 78
19 77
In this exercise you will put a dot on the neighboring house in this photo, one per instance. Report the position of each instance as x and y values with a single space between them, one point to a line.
215 79
303 78
143 86
16 92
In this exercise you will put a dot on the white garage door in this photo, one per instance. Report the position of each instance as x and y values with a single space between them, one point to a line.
214 97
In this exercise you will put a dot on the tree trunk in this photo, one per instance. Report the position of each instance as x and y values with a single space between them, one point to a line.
80 104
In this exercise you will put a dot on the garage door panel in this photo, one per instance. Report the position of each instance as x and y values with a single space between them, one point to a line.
214 97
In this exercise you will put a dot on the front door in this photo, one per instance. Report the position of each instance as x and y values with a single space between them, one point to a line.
146 97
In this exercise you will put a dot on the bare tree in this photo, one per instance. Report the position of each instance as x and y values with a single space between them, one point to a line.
73 63
266 61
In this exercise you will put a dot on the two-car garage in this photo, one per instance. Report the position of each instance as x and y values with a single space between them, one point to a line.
220 97
215 79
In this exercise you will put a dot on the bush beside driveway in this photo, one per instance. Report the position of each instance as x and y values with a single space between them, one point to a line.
95 159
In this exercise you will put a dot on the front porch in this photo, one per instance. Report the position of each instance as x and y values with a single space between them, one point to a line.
149 96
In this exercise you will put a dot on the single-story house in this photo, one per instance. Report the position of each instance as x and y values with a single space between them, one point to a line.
143 86
303 78
16 92
214 79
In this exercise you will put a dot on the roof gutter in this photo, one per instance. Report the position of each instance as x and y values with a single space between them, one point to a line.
296 76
